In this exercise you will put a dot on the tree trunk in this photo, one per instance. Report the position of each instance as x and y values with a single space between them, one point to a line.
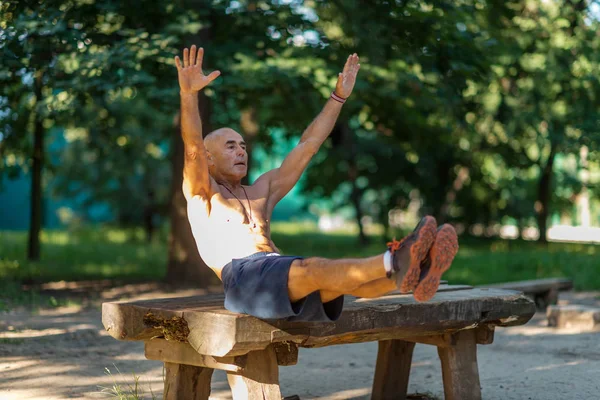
185 264
250 129
457 185
439 197
35 222
383 216
356 197
148 215
544 194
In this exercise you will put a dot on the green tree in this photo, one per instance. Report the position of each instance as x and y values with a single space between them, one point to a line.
52 55
544 99
408 111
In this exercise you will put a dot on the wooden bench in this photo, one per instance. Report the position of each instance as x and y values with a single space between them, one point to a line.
543 291
195 335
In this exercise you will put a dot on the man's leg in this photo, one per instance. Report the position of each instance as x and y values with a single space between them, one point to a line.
345 276
369 290
339 276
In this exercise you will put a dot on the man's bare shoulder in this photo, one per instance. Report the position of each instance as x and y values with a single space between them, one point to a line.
262 186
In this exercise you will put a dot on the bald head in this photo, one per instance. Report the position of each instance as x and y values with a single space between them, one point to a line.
226 153
219 137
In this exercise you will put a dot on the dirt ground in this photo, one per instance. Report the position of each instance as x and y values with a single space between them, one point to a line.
63 353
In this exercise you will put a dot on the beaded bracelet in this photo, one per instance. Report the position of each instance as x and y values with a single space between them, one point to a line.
337 98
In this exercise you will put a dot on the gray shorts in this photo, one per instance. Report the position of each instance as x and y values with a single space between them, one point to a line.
258 285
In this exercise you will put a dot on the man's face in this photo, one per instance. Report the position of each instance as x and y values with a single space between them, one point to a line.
227 154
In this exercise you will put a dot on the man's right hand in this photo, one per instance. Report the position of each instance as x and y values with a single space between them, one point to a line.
191 77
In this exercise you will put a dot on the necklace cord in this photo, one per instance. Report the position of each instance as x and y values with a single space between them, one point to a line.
248 214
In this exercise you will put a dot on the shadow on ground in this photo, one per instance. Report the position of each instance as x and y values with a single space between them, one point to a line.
63 353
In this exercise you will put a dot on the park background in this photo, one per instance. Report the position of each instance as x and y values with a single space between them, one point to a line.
484 114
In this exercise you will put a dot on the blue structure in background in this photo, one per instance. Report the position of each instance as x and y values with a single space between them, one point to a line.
15 194
15 202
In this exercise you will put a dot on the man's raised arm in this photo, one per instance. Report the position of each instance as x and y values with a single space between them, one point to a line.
283 179
196 179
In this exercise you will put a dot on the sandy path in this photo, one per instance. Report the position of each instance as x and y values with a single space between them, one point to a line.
63 353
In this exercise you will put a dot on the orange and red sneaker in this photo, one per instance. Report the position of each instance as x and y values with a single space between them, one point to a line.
410 252
438 261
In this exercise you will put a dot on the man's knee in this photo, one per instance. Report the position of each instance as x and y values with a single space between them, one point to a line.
324 274
301 281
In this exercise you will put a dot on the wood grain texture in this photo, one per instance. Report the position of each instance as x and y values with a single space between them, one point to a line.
259 380
392 370
182 353
286 352
460 372
218 332
186 382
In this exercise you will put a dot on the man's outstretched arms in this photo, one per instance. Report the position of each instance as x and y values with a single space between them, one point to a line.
196 178
283 179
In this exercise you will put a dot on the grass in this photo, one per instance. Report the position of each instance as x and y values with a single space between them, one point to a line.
83 254
12 296
123 390
120 254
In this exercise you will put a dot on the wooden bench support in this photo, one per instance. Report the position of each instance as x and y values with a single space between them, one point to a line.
259 379
169 351
186 382
250 349
459 367
548 298
392 370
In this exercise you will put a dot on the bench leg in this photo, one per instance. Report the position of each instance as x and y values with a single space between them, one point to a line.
259 378
183 382
551 298
392 371
459 367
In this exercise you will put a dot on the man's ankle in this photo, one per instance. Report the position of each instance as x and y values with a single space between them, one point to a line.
387 263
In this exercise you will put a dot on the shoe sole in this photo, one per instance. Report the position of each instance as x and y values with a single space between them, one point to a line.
418 251
442 253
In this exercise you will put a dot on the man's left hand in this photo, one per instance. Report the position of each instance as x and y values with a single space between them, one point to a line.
347 78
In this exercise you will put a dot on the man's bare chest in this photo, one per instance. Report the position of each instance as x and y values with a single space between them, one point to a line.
231 210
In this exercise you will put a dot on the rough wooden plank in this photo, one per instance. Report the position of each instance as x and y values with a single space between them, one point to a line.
574 316
286 353
217 334
442 288
534 286
447 312
125 322
183 353
186 382
215 331
459 368
444 340
392 370
485 334
259 380
453 288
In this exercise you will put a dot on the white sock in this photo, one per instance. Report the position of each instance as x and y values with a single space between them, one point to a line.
387 262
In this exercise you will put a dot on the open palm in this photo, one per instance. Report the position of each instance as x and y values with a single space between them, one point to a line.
191 77
347 78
